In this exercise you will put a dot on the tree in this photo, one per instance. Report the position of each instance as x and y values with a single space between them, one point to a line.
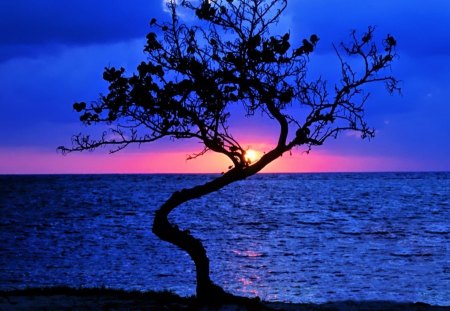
197 72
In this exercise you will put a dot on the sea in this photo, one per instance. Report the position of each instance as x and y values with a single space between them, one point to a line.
282 237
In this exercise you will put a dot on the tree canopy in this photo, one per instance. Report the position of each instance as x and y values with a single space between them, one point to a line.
198 71
195 73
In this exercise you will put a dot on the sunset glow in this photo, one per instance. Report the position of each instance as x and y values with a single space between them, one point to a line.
13 162
67 59
251 156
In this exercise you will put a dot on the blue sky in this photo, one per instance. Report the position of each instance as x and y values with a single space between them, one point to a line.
52 53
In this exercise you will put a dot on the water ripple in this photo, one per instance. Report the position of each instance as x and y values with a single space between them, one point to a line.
291 237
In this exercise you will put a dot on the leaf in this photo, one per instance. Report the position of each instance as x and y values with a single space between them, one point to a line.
79 106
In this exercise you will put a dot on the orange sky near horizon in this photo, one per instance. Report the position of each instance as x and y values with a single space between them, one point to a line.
139 162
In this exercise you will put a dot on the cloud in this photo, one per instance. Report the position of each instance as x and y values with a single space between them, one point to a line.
31 28
82 21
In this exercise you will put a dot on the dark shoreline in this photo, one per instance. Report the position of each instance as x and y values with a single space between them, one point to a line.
66 298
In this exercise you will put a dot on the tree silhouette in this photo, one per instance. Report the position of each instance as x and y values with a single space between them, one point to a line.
198 71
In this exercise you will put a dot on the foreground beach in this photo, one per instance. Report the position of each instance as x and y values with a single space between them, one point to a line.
63 298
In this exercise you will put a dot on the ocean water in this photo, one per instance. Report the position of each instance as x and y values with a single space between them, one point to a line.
285 237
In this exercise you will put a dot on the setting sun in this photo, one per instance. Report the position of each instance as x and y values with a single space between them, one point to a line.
251 156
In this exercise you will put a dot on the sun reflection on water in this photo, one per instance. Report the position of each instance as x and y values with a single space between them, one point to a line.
248 287
248 253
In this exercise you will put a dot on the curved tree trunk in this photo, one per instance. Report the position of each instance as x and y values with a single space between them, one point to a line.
207 291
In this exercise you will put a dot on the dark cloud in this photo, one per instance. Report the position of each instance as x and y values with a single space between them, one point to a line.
30 29
74 22
34 28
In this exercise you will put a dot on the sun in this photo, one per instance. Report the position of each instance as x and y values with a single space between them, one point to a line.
251 156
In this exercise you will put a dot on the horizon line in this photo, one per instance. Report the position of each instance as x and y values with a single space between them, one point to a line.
212 173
